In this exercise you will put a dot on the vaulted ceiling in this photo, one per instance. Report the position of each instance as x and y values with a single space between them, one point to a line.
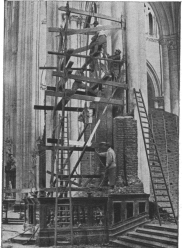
168 17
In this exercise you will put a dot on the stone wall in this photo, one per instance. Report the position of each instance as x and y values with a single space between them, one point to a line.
165 128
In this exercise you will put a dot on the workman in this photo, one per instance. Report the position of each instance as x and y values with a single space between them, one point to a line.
78 84
110 164
98 44
99 40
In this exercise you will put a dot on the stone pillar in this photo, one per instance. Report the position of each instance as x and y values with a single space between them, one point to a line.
165 69
137 75
173 74
73 116
143 171
131 11
117 10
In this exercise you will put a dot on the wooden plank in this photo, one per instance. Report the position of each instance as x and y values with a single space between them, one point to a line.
84 56
43 107
83 30
82 12
79 92
85 98
91 80
64 189
78 176
72 109
48 68
28 190
88 149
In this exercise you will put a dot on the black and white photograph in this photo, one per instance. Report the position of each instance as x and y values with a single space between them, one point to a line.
90 124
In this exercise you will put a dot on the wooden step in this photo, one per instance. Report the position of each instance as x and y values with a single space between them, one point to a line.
82 12
144 243
85 98
154 238
167 228
171 235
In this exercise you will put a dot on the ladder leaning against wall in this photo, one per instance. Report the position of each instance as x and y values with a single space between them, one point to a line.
158 181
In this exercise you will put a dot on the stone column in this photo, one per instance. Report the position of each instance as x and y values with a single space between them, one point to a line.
131 11
165 69
173 74
117 9
137 75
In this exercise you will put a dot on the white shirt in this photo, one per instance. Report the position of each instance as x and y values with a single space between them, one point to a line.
102 32
110 158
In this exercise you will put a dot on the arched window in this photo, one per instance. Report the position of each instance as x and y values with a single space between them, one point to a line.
151 93
150 24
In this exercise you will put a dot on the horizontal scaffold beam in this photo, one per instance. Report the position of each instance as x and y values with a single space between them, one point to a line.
83 30
60 189
82 12
73 109
65 189
78 176
91 80
85 98
23 191
88 149
85 56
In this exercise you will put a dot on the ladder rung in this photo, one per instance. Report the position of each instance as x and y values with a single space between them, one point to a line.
60 204
159 183
163 195
64 210
148 143
158 177
149 138
154 155
64 216
143 112
162 201
144 117
60 222
145 122
161 189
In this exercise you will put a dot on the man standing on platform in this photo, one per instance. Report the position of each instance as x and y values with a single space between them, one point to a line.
110 164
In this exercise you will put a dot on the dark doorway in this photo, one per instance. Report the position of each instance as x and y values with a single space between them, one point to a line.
117 212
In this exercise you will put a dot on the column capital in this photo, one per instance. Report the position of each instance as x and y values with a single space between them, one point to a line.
171 41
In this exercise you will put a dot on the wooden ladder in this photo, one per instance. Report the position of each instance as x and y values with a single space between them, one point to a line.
63 203
159 185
